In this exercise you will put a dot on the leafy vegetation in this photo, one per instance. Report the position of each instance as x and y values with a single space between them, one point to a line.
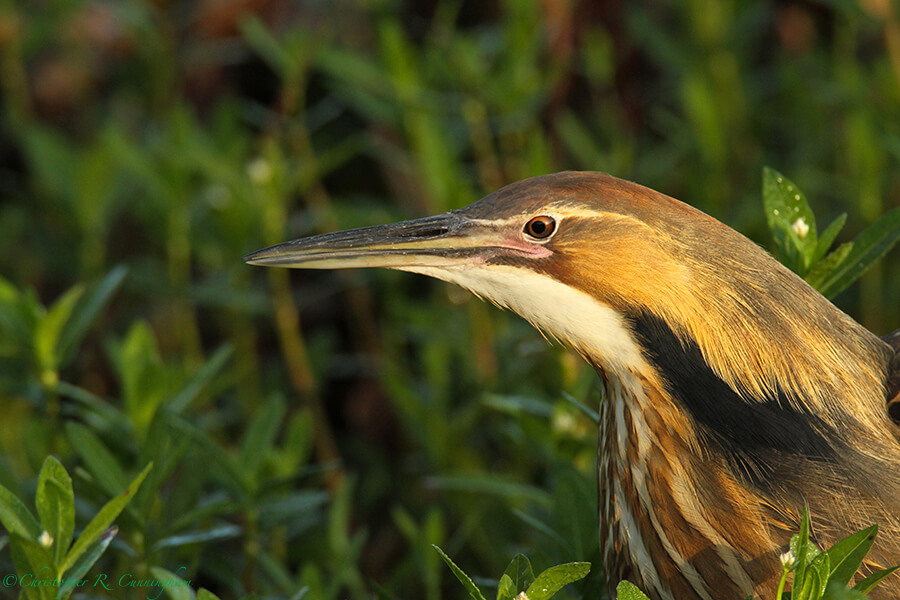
815 575
314 436
519 582
799 247
41 549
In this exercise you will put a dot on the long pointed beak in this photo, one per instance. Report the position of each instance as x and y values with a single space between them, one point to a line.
448 239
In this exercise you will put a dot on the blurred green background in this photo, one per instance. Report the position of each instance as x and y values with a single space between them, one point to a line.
314 433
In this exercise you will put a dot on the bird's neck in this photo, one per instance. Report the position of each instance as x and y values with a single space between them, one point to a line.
690 467
668 509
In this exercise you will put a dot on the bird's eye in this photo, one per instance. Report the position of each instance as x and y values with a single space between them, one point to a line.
540 227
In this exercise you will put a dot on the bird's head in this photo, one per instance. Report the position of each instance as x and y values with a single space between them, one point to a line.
602 264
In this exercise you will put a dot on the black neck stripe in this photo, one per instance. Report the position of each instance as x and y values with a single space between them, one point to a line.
754 435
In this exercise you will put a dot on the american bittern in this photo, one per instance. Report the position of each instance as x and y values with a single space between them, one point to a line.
734 392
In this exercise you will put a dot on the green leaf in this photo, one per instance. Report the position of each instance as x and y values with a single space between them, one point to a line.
592 414
142 374
16 324
821 270
218 456
87 309
260 436
175 587
164 449
555 578
95 410
805 552
434 531
36 560
836 591
847 555
100 462
805 575
866 585
215 505
204 375
809 582
292 508
405 523
464 579
805 590
490 485
506 589
790 220
516 405
628 591
8 292
868 247
102 520
16 517
520 572
302 592
259 37
52 158
50 327
817 576
580 141
55 504
79 570
205 594
196 537
542 527
298 441
359 72
828 236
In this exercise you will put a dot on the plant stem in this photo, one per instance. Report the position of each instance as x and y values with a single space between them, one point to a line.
781 583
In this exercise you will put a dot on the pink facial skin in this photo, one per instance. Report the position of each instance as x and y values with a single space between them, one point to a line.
525 247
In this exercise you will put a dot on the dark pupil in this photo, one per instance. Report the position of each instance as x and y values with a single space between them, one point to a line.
538 227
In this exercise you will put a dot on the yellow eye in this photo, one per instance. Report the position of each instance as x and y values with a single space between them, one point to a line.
540 227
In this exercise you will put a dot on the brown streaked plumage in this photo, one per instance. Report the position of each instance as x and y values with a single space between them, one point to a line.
734 392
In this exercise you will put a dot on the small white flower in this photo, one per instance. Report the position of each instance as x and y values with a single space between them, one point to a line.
46 540
563 422
522 596
259 170
800 228
787 560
